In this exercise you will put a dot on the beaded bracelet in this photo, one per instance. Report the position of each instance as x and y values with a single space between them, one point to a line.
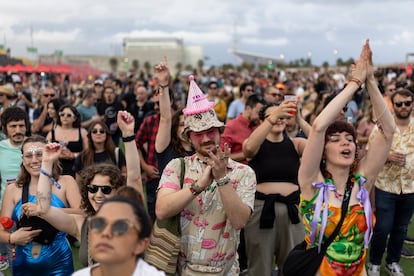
57 185
195 189
128 139
357 81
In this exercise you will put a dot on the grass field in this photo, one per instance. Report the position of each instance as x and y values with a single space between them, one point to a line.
406 264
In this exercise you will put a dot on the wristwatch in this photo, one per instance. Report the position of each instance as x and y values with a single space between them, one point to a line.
223 181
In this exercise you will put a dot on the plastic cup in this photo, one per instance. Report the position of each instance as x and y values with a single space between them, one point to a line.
292 98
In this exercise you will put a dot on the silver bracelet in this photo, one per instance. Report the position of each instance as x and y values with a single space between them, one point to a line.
223 181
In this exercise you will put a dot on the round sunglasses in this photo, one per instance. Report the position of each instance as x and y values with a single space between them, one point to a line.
93 189
118 228
95 131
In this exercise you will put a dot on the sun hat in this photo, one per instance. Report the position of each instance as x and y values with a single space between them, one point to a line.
199 114
7 90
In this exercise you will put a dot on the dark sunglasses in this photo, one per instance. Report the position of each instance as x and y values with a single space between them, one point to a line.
276 95
49 95
118 228
93 189
406 103
345 109
63 114
101 131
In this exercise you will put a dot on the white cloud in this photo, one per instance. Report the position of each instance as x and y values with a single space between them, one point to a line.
290 27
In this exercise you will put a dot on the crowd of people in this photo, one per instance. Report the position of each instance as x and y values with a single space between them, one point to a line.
268 158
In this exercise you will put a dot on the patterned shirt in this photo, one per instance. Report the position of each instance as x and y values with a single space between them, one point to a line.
147 134
393 178
207 236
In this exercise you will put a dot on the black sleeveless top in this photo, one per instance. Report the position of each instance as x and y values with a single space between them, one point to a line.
276 162
73 146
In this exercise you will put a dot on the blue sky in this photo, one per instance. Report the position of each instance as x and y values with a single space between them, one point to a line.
323 30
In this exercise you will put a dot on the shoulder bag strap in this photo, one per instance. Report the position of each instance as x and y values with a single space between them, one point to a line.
25 193
182 172
344 208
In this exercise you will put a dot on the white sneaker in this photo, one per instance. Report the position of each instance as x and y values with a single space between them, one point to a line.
4 263
373 270
394 269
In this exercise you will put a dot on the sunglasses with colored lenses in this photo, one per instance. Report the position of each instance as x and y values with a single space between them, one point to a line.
118 228
63 114
49 95
93 189
406 103
101 131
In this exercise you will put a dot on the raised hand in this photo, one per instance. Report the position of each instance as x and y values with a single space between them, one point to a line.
51 152
162 73
284 110
126 123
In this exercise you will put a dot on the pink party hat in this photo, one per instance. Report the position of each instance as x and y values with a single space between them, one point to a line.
196 101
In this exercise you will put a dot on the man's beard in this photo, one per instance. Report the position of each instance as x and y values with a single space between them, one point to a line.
400 116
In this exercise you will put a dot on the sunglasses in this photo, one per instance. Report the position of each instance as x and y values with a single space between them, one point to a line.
29 156
49 95
118 228
406 103
93 189
276 95
101 131
345 109
63 114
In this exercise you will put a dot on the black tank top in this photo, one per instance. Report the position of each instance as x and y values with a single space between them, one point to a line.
276 162
73 146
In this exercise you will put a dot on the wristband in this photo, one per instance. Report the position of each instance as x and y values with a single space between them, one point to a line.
128 139
57 185
357 81
223 181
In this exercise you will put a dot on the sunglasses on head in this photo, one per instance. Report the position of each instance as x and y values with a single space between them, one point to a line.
93 189
118 228
406 103
63 114
49 95
101 131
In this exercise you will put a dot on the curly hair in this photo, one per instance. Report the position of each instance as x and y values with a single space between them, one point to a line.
87 155
24 176
88 174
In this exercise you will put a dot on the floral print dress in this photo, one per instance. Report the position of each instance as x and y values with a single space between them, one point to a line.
347 253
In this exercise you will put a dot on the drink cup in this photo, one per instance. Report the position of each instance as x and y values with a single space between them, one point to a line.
292 98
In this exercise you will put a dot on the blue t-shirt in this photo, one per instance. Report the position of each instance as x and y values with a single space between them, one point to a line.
86 112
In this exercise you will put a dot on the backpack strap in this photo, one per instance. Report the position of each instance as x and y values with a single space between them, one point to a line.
25 193
182 172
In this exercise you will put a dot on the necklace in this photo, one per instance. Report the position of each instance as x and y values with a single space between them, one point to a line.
337 195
